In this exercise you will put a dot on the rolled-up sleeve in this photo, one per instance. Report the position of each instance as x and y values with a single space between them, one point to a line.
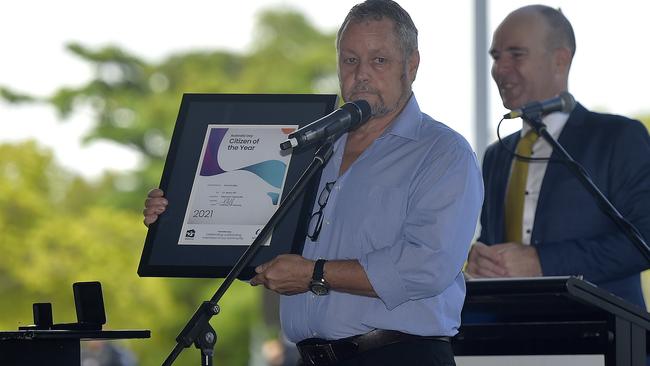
444 199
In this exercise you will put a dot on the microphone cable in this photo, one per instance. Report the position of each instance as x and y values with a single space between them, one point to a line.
550 159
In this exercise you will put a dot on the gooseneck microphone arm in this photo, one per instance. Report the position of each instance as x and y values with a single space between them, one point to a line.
534 119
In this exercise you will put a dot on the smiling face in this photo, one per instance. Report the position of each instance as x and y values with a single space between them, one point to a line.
372 66
524 68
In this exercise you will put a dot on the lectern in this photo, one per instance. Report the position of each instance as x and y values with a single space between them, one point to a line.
550 316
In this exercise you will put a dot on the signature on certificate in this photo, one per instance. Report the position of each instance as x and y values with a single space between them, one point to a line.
228 201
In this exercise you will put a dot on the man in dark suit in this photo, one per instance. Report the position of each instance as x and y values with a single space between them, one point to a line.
537 218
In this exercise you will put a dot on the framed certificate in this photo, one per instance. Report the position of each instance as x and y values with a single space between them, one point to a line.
224 177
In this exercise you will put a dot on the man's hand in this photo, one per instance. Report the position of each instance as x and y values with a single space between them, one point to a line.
286 274
503 260
154 205
519 260
484 261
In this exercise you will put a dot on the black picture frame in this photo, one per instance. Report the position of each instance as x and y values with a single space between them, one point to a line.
162 256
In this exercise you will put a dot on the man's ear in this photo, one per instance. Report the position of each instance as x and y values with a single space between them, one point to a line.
413 63
563 59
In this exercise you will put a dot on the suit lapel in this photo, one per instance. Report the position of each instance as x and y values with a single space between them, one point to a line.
570 140
502 170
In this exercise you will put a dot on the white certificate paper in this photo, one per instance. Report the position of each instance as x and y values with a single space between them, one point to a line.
237 185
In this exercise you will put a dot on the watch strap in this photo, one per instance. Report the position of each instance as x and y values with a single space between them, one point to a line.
319 270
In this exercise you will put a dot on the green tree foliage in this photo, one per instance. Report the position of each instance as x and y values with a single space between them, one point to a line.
59 228
136 103
49 244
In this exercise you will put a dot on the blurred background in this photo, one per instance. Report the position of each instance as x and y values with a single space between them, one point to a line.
89 93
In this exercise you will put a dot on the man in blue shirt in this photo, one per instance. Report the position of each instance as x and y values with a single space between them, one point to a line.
379 281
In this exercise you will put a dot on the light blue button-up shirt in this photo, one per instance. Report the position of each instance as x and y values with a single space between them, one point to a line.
406 209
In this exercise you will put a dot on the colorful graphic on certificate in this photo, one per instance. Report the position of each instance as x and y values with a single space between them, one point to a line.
237 185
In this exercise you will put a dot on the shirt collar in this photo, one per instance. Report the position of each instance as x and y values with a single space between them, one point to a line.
403 125
554 124
407 123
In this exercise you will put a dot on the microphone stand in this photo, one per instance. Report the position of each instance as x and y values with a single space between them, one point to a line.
198 331
534 119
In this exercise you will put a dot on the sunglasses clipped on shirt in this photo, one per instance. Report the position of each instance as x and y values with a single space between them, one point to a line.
316 220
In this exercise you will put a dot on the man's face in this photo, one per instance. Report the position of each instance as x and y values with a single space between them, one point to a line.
523 68
371 66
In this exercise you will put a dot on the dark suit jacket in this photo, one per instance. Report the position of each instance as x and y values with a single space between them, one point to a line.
571 233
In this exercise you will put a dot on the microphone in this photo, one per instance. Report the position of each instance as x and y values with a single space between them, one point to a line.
350 116
563 102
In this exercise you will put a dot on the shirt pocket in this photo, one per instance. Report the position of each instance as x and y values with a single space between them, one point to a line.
383 222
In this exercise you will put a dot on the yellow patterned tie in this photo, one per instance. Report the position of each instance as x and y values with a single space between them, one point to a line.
517 188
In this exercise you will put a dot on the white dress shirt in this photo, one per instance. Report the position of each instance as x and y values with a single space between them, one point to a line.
536 169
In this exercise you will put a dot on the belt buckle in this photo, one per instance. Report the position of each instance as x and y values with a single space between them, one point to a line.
318 354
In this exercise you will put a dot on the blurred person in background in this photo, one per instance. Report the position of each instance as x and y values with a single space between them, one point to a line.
538 219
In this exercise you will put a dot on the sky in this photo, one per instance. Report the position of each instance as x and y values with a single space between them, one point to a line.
609 73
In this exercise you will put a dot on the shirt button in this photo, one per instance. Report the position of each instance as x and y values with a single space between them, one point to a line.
327 222
527 231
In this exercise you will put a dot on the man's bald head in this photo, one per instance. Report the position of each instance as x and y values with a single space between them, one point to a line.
559 30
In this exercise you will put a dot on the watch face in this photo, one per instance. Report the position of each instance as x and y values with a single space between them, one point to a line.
318 288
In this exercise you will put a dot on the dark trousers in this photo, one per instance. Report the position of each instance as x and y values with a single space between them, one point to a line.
422 352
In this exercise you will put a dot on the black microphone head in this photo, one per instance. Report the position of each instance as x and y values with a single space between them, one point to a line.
365 109
359 110
568 102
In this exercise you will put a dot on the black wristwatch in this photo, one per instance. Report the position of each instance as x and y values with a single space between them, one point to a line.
318 285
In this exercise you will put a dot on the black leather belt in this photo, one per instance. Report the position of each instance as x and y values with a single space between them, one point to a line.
320 352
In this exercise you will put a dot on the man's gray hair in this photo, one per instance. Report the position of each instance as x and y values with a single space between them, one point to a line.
405 30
